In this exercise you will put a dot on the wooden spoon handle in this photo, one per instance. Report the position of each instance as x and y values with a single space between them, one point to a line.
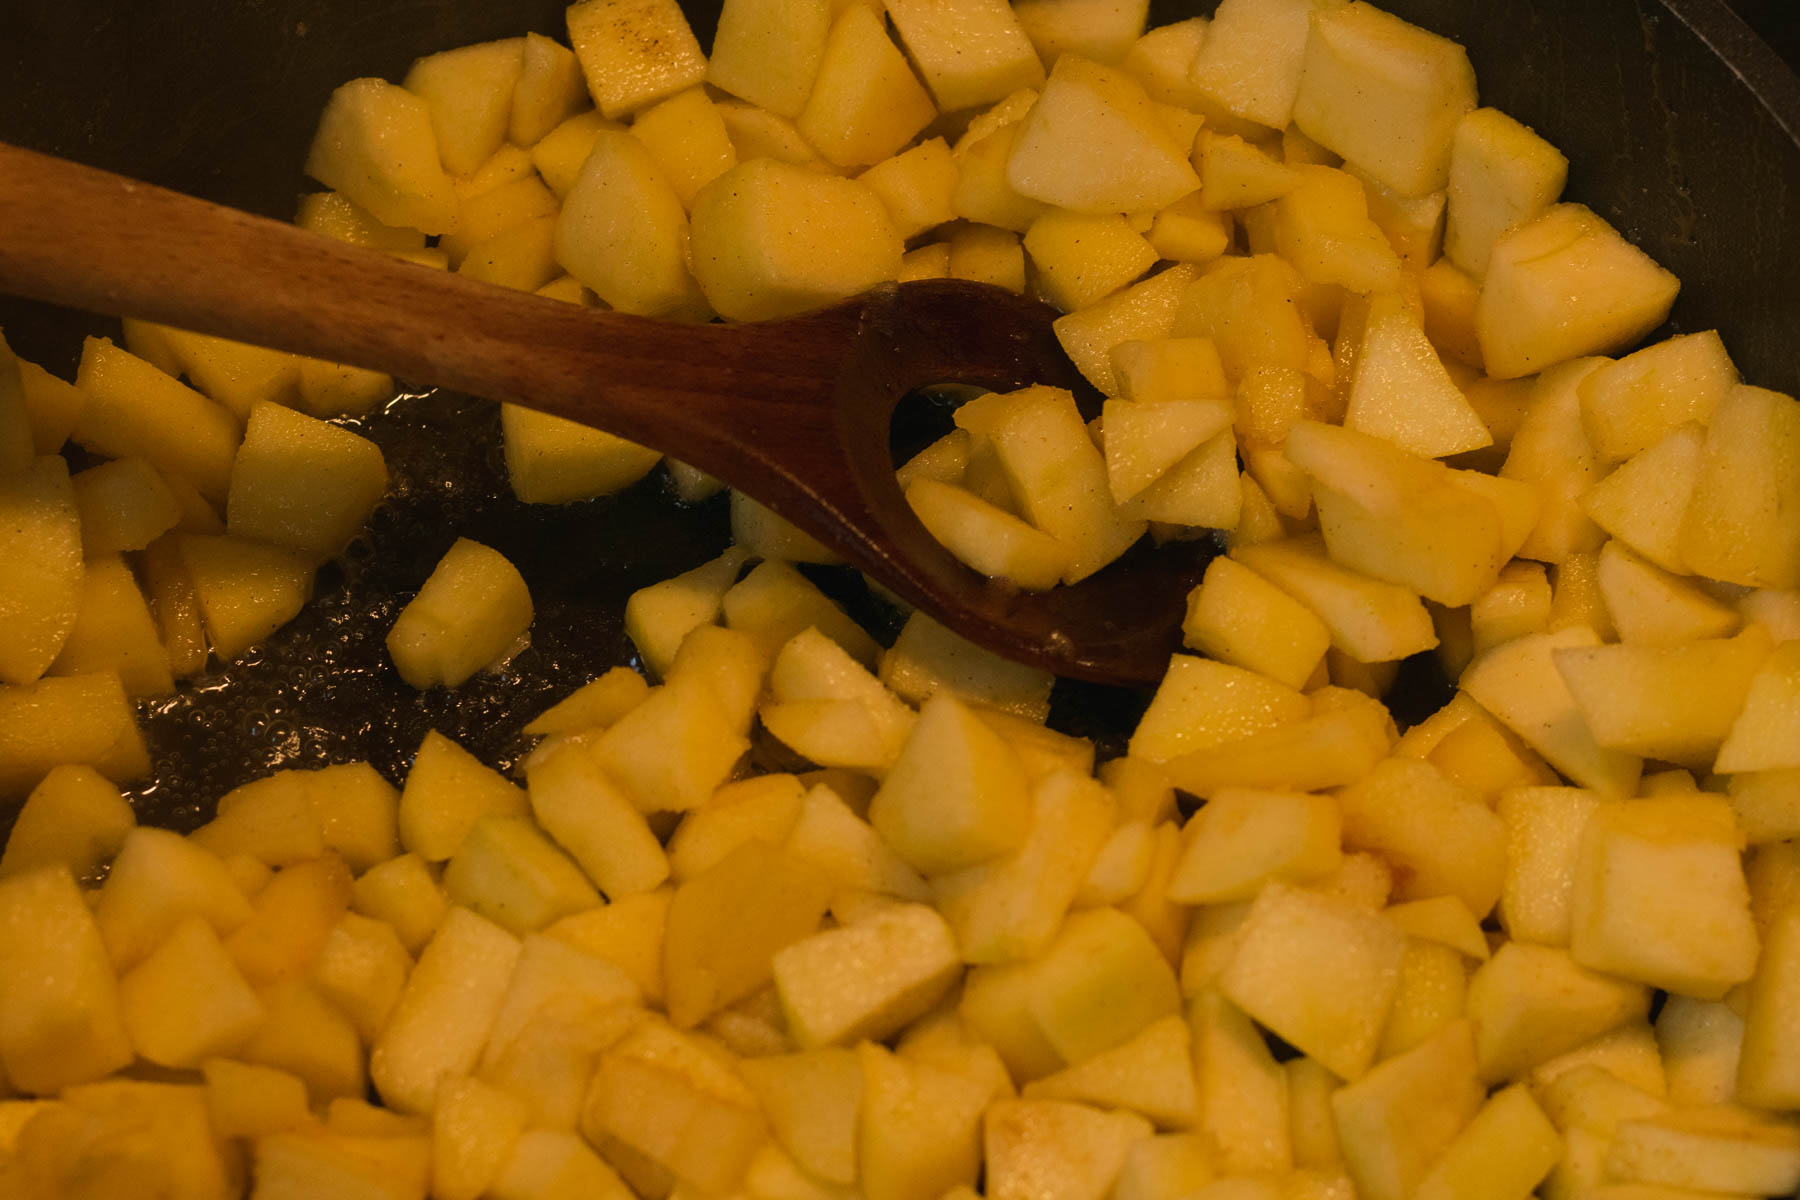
88 239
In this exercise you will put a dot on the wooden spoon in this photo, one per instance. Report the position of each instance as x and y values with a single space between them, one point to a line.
795 412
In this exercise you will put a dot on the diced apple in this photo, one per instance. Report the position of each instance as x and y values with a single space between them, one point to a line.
979 58
1084 1149
375 144
1244 1113
623 231
768 51
867 979
1243 838
1397 1120
634 52
1501 175
1531 1003
918 1131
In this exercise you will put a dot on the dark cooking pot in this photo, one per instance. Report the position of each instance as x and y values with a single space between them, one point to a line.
1682 129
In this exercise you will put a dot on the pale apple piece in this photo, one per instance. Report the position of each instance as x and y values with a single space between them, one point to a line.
63 1022
1413 225
508 872
250 1101
827 834
1531 1003
916 186
1101 30
447 790
1503 1153
1318 972
1170 368
114 632
954 1038
1144 311
1395 1122
1628 1053
1448 300
1162 918
1201 704
811 1101
1055 1148
1401 392
594 705
375 144
1122 867
1202 491
1236 174
1747 484
1081 258
1700 1043
124 504
1543 838
1167 1164
321 1162
768 51
1723 1149
560 154
1441 837
246 589
988 539
982 193
1098 984
763 533
1010 908
1675 703
866 980
550 88
687 138
927 659
671 752
1502 174
726 926
762 808
1249 308
634 52
1248 60
157 880
547 1164
1768 1068
186 1001
659 616
1767 804
1650 606
1532 316
469 93
586 813
956 796
1312 1127
1627 917
977 58
918 1130
1151 1074
74 817
1518 604
271 819
1329 749
865 104
1766 732
550 460
404 893
300 482
1095 143
623 231
1631 405
40 597
1520 684
330 213
1242 838
362 967
306 1035
627 933
1642 503
1243 1091
774 602
1386 95
1322 226
291 917
756 229
1590 1098
474 1129
1209 942
1368 619
1146 439
1432 990
127 1138
1238 617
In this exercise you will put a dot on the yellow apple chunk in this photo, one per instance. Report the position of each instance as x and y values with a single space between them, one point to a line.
868 979
40 593
1629 405
470 613
622 230
1739 523
469 92
376 145
1395 1122
1501 175
1082 1148
447 790
865 104
979 56
84 719
300 482
1249 61
1532 1003
634 52
989 540
957 794
768 51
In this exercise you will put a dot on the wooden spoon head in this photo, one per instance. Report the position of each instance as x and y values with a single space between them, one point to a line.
1119 626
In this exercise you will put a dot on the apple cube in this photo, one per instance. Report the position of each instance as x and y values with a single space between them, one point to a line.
1238 617
1099 983
1202 704
1396 1121
1768 1068
1318 972
158 879
867 979
763 809
115 632
918 1132
1009 908
1501 175
1333 747
1700 1043
469 614
290 919
63 1022
1749 474
1145 311
320 1162
1025 1142
1627 915
981 57
245 1100
1322 226
549 89
627 933
755 230
726 926
1531 316
1442 838
40 533
1368 619
446 1011
677 1102
827 834
1400 390
1543 847
1242 838
1248 63
469 93
605 833
623 231
1642 503
508 872
956 796
548 1164
1503 1153
128 1138
1152 1074
811 1101
672 751
865 103
447 790
186 1001
474 1129
362 968
1531 1003
634 52
124 504
660 616
375 144
75 817
768 51
1723 1149
405 894
1431 993
550 460
246 589
1243 1091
